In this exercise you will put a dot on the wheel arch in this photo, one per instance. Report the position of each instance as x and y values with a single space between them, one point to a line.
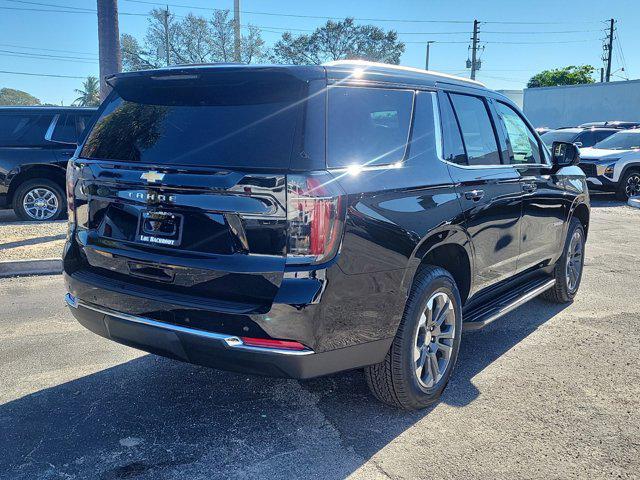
450 249
50 172
581 212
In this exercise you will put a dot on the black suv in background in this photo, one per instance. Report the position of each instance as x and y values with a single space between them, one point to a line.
303 220
35 145
583 137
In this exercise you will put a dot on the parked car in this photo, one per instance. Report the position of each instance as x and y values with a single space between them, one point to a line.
613 124
614 164
35 145
543 130
302 220
581 136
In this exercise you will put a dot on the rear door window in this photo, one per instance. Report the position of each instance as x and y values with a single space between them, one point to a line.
24 129
453 146
367 126
477 130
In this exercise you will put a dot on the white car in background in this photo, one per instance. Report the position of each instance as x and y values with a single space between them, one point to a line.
614 164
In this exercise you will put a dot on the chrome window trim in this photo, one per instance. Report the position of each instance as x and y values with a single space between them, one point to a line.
52 126
229 341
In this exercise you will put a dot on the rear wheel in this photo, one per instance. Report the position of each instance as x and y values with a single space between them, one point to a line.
419 363
39 200
629 186
568 269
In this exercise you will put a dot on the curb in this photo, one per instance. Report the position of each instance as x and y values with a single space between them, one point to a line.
21 268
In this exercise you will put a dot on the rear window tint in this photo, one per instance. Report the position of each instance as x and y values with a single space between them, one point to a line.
367 126
65 131
24 129
197 128
477 130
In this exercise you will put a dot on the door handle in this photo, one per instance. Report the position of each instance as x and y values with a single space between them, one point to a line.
474 195
529 187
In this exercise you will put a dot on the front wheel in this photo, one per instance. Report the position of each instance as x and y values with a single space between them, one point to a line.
419 363
568 269
629 186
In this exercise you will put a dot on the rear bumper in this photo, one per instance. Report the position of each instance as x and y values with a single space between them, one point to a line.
217 350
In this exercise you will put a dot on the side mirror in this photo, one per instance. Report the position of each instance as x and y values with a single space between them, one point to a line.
565 154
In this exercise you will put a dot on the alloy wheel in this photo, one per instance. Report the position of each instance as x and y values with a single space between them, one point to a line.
40 203
434 339
574 261
632 188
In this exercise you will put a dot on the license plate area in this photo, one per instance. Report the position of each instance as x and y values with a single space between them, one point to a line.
160 228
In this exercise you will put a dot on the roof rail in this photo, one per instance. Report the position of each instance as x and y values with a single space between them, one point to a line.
365 63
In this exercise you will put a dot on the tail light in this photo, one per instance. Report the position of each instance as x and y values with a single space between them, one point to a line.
315 214
71 179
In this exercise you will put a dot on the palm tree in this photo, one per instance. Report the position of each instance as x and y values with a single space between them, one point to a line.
89 94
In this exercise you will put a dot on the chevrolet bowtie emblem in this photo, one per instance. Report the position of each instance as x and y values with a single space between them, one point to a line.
152 176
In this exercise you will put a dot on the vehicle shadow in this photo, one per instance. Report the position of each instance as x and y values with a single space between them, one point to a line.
32 241
156 418
605 199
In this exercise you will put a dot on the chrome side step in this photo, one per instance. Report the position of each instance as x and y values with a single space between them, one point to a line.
483 315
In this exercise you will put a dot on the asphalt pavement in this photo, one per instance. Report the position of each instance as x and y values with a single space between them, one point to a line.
546 392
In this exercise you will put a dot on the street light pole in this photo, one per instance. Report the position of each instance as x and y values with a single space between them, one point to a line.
237 45
426 62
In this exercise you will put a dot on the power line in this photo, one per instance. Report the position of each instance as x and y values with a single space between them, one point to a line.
12 53
47 49
399 20
40 74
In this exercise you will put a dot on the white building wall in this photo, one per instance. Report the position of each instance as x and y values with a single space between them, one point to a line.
516 96
571 105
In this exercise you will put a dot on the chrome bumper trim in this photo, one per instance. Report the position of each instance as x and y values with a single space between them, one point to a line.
228 341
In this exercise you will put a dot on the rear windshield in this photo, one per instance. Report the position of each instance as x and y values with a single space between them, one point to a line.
221 125
24 129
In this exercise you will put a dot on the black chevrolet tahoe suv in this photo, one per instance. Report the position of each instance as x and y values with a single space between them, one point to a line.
303 220
35 145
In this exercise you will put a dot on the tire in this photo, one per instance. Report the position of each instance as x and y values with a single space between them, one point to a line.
53 208
629 186
564 291
395 381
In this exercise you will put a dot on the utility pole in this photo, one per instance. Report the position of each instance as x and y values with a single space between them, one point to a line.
608 49
108 42
165 19
426 61
474 50
237 45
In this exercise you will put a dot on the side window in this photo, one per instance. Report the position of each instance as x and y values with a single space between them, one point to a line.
367 126
477 130
586 139
65 131
423 137
602 134
523 145
453 146
24 130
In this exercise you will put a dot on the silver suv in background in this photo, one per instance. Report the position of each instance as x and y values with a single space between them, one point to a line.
614 164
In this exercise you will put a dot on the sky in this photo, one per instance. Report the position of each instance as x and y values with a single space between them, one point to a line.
520 37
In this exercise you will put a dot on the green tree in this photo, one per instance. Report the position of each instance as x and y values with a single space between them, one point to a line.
571 75
339 41
9 96
89 93
192 39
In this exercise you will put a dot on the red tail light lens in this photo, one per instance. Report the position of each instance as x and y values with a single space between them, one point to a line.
315 214
270 343
70 184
